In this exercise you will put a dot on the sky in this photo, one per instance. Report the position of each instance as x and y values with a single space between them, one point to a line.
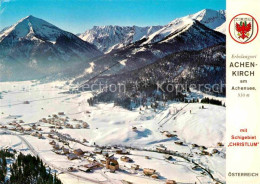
77 16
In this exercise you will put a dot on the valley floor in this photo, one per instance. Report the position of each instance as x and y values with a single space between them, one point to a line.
143 132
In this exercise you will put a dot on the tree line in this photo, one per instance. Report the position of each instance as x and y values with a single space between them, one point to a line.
25 169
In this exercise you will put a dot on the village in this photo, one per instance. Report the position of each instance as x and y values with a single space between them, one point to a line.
70 137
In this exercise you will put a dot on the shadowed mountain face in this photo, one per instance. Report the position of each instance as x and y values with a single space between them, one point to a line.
34 48
203 70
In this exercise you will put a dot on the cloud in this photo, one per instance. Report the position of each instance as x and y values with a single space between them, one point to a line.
2 7
2 10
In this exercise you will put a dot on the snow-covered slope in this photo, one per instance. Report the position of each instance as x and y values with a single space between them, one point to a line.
211 18
33 43
221 28
107 38
178 25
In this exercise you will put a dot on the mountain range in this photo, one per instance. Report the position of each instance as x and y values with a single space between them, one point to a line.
108 38
33 48
184 34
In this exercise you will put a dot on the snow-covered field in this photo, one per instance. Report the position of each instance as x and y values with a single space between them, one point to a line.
113 125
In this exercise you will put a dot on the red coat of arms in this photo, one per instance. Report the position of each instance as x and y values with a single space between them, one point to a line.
243 28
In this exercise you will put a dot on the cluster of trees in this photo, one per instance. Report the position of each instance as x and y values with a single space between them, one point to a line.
3 164
91 101
25 169
192 100
211 101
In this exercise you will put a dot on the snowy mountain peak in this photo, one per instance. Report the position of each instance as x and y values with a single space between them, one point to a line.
110 37
173 28
211 18
38 44
33 28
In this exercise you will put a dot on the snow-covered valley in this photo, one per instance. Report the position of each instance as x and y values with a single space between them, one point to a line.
191 134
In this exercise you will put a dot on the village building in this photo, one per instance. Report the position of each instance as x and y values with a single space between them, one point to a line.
168 157
33 134
84 140
34 126
55 115
214 151
12 128
112 164
103 161
205 153
52 142
93 165
97 151
147 157
39 135
220 144
77 126
91 159
84 169
72 156
85 125
78 152
155 176
179 143
194 145
65 150
168 134
161 148
39 129
71 169
202 148
88 154
68 126
20 129
56 146
196 167
61 113
105 154
126 159
148 172
135 166
170 182
122 152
